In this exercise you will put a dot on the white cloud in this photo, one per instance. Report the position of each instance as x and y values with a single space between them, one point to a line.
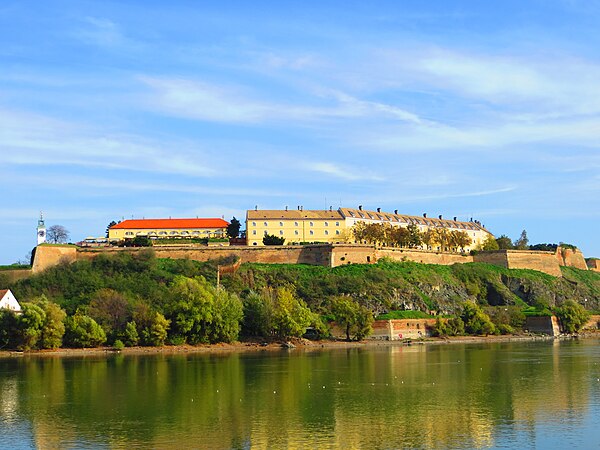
345 173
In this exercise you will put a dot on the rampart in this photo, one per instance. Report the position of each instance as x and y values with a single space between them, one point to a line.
10 276
543 325
593 264
571 258
327 255
521 259
394 330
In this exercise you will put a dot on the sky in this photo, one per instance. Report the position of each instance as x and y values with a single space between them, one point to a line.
154 109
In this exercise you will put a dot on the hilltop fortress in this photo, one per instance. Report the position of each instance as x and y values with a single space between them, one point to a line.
317 237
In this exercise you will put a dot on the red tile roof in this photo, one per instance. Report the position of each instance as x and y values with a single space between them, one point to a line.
3 293
170 224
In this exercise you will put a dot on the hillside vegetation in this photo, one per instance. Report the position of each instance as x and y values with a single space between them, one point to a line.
135 299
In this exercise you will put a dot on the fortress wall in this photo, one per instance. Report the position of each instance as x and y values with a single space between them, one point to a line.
10 276
352 254
309 254
51 255
422 256
397 329
571 258
521 259
593 264
543 325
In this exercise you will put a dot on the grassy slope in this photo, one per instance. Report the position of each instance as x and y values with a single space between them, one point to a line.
383 287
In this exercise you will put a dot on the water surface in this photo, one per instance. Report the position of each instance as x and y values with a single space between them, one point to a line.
495 395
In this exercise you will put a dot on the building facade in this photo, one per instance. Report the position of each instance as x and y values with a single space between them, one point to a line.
168 229
8 301
335 226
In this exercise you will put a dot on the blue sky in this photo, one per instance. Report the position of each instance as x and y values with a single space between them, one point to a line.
112 110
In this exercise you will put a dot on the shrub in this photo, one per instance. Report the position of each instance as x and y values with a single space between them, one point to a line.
355 319
572 316
271 239
82 331
118 345
130 335
476 321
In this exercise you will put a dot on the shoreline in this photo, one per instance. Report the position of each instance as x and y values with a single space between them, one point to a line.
296 344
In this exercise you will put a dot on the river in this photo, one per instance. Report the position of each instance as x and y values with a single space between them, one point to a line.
533 394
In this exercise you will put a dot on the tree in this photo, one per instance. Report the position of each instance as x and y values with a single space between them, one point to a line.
111 310
233 229
82 331
57 234
415 237
130 335
476 321
271 239
522 242
355 319
53 326
489 244
459 239
572 316
504 243
108 227
29 326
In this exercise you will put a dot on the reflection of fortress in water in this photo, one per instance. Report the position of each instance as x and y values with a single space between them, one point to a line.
394 396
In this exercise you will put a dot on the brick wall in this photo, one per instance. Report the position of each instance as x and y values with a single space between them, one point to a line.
543 325
571 258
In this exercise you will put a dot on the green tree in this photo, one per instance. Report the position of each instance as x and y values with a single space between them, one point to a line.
228 314
355 319
572 316
8 329
258 315
415 237
476 321
111 310
82 331
53 328
504 243
271 239
523 242
29 326
489 244
191 309
109 226
130 335
233 229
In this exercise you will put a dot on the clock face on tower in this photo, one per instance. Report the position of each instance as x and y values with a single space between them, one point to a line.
41 233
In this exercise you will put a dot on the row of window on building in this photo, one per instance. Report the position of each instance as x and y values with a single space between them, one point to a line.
296 224
297 233
173 233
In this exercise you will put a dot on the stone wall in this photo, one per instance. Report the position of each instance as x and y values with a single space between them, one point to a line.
10 276
543 325
51 255
394 330
571 258
521 259
593 264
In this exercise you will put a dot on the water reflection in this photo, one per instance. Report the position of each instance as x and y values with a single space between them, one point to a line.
454 396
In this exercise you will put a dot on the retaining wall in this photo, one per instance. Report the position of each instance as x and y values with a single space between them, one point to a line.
522 259
571 258
543 325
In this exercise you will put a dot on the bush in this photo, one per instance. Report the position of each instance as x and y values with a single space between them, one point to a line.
118 345
572 316
271 239
476 321
130 335
355 319
82 331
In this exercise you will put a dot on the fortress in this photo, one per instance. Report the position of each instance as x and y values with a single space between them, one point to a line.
328 255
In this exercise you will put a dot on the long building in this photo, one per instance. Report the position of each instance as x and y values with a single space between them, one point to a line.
168 228
334 226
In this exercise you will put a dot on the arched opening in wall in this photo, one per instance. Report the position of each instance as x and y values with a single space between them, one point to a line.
368 259
343 258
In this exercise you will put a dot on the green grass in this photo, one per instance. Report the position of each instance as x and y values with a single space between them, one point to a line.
404 315
16 267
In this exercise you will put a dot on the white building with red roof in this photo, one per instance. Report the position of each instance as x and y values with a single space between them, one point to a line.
168 228
8 301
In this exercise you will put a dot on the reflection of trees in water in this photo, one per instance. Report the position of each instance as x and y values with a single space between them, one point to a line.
428 396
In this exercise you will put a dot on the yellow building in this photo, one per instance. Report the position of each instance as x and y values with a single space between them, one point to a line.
334 226
168 228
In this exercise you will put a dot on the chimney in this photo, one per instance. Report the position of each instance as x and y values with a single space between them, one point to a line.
286 207
379 210
330 208
455 218
301 208
440 217
298 207
360 207
396 211
425 215
255 207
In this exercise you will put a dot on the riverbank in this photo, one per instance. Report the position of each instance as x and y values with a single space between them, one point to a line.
294 344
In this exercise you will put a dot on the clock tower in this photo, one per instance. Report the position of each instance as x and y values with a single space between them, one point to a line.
41 230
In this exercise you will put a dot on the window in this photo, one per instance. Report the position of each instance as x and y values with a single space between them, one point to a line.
266 224
253 224
296 232
337 231
265 232
129 233
326 232
162 233
173 233
311 224
337 224
253 231
326 224
280 232
295 224
312 232
280 224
